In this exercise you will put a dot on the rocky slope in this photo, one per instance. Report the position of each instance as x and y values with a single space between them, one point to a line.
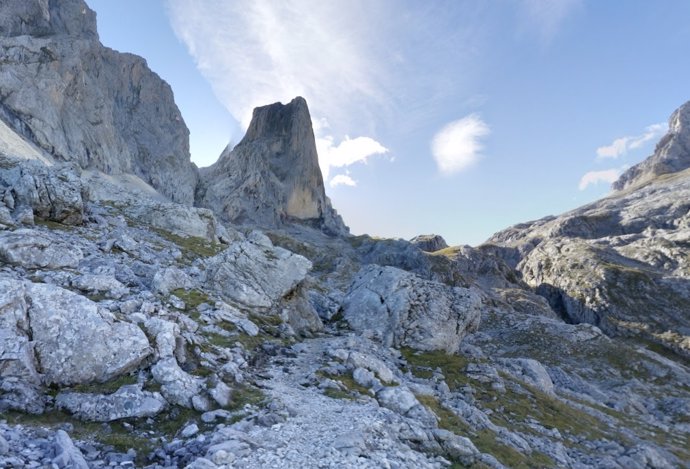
140 332
272 176
620 263
78 101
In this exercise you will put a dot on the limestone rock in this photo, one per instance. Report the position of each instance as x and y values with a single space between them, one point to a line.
77 342
272 176
672 153
34 250
408 311
53 193
79 101
429 243
177 386
66 454
129 401
171 278
255 274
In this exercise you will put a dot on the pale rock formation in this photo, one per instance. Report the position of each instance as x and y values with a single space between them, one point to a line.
76 100
129 401
408 311
672 153
272 176
429 243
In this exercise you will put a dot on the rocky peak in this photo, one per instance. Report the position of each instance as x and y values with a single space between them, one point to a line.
62 91
43 18
672 153
272 176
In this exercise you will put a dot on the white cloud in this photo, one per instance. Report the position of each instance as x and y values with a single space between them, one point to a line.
346 153
457 145
256 52
342 180
545 17
608 176
621 146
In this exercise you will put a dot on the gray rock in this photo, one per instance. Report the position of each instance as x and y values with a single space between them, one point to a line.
4 446
255 275
530 371
429 243
166 335
66 454
53 193
408 311
365 378
76 341
190 430
100 284
368 362
171 278
82 102
272 176
456 446
177 386
397 398
34 250
128 401
672 153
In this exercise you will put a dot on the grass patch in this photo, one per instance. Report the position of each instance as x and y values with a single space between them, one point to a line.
107 387
192 247
486 441
244 395
423 365
53 225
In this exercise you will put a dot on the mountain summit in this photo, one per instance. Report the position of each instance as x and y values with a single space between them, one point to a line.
272 176
672 153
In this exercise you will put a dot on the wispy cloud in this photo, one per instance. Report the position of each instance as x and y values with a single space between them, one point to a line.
621 146
545 17
342 180
608 176
458 144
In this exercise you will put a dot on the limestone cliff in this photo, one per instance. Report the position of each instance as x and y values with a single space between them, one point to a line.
79 101
272 176
672 153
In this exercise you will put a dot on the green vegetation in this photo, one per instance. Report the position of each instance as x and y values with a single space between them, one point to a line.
352 389
107 387
192 247
52 225
485 440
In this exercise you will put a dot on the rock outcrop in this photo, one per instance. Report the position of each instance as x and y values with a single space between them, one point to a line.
272 176
407 311
78 101
620 263
672 153
429 243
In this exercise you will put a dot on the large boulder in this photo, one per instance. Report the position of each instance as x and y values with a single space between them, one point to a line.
75 341
76 100
254 273
430 242
408 311
32 249
272 176
129 401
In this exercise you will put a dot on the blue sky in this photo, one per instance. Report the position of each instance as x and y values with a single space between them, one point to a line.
455 117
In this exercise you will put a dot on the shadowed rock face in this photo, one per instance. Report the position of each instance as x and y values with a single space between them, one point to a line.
78 101
273 175
672 153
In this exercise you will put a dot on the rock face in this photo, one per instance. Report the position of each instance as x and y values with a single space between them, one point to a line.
272 176
79 101
672 153
620 263
408 311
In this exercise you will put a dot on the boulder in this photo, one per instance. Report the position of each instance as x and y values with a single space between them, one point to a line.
254 273
32 249
76 341
177 386
407 311
129 401
66 454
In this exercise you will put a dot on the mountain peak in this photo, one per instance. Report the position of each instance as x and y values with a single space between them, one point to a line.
44 18
272 176
672 153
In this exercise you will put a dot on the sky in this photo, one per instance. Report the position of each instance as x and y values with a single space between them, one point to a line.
454 117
